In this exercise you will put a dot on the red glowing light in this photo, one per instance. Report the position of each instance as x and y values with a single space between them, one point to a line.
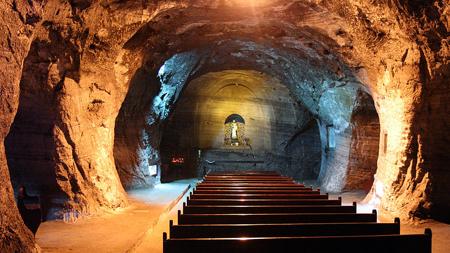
177 160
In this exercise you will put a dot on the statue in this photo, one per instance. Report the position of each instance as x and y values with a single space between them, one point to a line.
234 129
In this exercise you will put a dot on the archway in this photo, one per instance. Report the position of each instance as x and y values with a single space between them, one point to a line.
234 131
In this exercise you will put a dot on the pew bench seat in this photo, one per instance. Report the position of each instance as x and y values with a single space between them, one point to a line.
414 243
225 209
275 218
282 230
259 196
226 191
233 202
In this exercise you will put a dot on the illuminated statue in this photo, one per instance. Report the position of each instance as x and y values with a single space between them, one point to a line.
234 129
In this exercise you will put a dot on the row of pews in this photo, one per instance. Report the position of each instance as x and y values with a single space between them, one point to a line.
267 212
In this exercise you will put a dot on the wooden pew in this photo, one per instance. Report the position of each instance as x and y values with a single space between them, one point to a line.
293 187
248 183
265 212
247 176
260 196
416 243
273 173
226 191
247 179
250 187
285 230
264 201
247 209
245 173
256 218
237 186
256 184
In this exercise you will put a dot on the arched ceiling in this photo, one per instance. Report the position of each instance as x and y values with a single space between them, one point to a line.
325 94
326 35
321 55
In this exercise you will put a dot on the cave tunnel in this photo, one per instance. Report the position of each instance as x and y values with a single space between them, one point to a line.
280 133
114 108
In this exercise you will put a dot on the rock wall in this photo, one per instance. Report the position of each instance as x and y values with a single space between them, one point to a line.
305 153
136 141
403 176
61 143
362 164
432 121
18 19
335 160
436 138
30 144
401 74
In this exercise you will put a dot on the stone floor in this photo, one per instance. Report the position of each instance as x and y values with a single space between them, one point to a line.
139 228
118 231
153 240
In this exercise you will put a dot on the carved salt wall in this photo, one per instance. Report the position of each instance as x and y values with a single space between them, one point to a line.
365 137
14 44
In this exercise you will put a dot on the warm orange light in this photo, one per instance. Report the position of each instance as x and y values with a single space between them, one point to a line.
252 3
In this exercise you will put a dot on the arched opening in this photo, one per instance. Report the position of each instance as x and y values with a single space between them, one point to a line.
364 144
234 131
350 155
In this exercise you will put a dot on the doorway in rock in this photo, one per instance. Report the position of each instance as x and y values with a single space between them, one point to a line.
364 144
350 155
177 162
